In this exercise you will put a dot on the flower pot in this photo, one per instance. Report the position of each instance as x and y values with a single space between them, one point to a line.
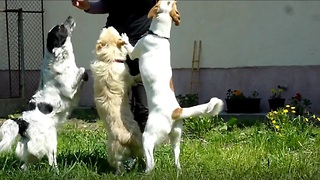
247 105
276 103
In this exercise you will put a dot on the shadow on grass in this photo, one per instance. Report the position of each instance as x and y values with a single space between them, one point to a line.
92 162
85 114
9 162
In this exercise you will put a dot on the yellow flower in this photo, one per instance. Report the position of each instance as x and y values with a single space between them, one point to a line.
273 122
277 127
293 111
306 119
190 117
318 118
314 116
275 112
285 111
293 107
287 105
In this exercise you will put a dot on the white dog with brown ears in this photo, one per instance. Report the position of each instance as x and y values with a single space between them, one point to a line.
112 82
165 114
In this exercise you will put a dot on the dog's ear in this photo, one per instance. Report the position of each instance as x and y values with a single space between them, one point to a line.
154 10
120 43
175 15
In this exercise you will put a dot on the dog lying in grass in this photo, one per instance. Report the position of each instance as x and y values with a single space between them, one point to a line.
165 114
112 82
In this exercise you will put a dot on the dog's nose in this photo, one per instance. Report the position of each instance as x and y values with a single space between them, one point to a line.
70 22
70 19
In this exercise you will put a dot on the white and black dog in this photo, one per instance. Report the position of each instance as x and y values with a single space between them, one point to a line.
60 78
58 93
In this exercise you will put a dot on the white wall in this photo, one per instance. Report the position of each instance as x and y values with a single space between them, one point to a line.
233 33
248 33
86 32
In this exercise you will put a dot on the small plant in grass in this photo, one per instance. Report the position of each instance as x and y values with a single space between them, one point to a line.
200 126
294 131
284 118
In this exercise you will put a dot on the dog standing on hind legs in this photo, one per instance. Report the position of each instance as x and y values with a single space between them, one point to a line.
111 83
165 114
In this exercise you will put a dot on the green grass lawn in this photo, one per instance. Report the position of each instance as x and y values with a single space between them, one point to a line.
219 153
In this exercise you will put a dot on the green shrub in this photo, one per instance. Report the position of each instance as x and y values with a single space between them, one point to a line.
188 100
199 126
292 129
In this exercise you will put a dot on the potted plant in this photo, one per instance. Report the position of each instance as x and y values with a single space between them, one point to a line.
301 104
276 101
237 102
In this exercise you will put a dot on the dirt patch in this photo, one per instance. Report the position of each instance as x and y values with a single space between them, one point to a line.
83 124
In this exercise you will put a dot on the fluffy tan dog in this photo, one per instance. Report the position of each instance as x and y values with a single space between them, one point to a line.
112 82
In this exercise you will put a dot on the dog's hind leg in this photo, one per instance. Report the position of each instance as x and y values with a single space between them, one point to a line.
52 159
175 138
115 158
51 147
148 146
22 152
25 166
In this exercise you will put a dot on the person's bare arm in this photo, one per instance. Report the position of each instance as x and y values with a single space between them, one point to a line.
96 7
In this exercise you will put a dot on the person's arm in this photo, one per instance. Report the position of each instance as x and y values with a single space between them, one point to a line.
98 7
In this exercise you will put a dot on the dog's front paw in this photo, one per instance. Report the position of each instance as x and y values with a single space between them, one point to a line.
85 76
125 38
81 70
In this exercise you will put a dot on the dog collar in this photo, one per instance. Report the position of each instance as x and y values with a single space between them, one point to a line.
119 61
151 32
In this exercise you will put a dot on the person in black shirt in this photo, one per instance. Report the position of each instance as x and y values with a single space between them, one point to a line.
128 17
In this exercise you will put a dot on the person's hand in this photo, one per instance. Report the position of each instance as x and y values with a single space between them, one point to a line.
81 4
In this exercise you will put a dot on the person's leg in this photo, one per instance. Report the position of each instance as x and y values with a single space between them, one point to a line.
139 96
140 111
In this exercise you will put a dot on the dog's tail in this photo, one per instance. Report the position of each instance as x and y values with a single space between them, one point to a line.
212 108
9 131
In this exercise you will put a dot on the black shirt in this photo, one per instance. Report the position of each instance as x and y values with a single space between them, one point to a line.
130 17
